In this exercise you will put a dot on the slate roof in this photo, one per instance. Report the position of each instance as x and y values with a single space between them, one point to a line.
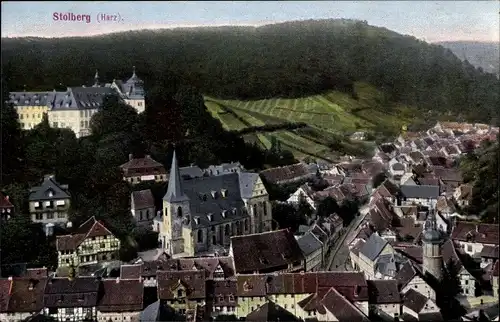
308 243
373 246
191 172
447 174
267 250
193 281
49 184
31 98
83 98
414 300
121 296
247 182
383 292
271 311
420 191
143 163
490 252
78 292
406 274
142 199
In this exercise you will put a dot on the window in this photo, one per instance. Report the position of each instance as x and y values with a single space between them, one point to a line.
50 216
200 236
246 224
103 245
139 103
466 282
469 248
21 116
180 293
39 216
179 211
70 310
82 124
54 124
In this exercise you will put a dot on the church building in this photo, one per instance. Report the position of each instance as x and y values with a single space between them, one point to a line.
200 215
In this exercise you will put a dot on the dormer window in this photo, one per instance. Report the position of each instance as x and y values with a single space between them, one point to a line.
224 193
37 102
231 298
180 293
197 220
224 213
50 193
210 217
214 194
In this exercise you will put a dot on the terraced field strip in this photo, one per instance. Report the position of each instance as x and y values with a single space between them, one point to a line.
247 117
264 140
229 121
300 142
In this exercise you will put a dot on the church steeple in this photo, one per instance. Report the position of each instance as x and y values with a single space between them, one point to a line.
174 190
96 79
133 72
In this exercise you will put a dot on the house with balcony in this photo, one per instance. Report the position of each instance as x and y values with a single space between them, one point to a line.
91 243
137 170
49 203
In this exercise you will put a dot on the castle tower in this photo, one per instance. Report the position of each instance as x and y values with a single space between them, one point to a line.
176 212
432 241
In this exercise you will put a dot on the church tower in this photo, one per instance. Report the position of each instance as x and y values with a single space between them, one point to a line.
432 241
176 212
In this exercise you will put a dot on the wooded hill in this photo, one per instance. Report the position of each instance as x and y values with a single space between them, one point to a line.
291 59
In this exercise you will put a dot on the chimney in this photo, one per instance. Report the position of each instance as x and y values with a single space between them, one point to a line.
130 156
477 228
117 280
148 156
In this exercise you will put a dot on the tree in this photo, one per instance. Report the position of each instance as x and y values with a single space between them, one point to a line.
378 179
304 208
114 116
327 207
287 216
449 287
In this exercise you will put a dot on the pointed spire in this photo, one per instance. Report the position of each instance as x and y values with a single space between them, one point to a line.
133 74
96 78
174 190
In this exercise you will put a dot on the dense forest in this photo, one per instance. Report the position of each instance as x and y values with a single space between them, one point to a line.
287 60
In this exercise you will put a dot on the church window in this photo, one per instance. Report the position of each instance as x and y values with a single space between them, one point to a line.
147 214
179 211
265 208
200 236
214 240
246 224
227 230
254 210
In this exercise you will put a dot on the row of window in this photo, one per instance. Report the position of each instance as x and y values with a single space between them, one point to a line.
21 116
50 215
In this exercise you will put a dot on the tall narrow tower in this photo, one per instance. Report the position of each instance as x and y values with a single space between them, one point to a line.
432 241
96 79
176 212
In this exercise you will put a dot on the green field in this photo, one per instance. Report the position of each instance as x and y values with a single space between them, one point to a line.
332 113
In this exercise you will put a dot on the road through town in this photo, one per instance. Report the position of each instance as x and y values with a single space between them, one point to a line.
340 252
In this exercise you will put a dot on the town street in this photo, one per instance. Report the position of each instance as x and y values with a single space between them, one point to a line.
340 253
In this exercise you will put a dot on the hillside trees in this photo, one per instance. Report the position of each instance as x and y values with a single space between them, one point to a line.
282 60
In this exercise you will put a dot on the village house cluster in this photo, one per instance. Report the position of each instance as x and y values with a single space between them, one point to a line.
218 254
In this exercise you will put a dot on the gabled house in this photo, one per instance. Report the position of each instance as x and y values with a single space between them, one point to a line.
142 207
120 300
410 277
49 203
267 252
446 207
91 243
419 195
384 298
312 248
418 306
21 297
6 207
303 192
468 282
71 298
473 237
137 170
369 253
223 294
463 195
181 290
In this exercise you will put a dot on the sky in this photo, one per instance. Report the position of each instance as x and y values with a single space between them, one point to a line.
430 21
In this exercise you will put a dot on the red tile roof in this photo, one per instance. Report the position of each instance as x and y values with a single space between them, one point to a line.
263 251
143 199
26 295
192 282
341 308
286 173
121 296
90 228
479 233
383 292
5 285
143 163
4 201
